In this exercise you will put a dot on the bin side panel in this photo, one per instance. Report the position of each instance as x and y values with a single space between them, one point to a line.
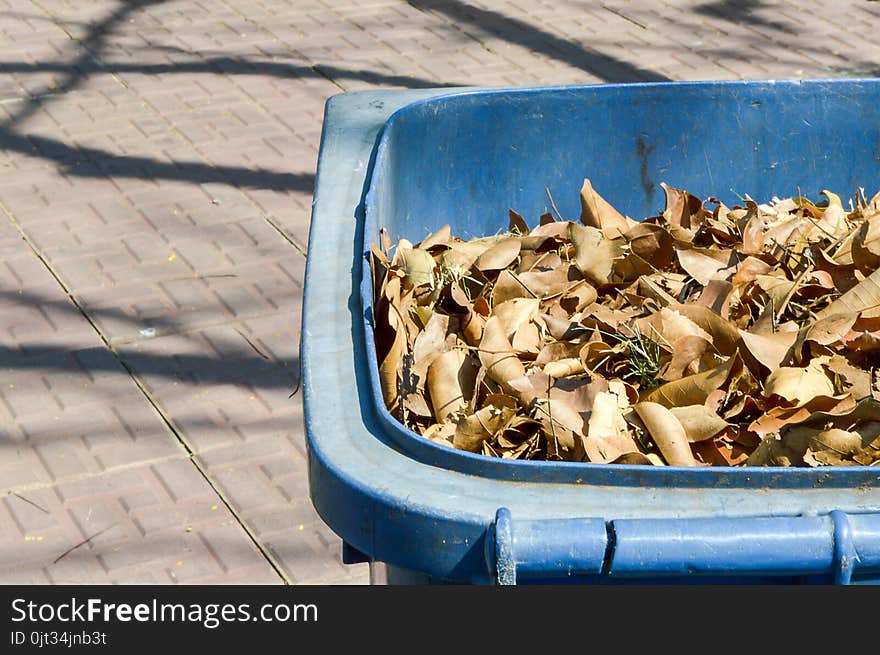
466 159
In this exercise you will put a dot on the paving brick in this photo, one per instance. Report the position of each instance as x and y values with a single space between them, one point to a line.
136 531
265 481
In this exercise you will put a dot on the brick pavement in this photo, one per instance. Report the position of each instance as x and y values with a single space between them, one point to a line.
157 163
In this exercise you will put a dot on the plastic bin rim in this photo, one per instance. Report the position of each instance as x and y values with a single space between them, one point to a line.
427 452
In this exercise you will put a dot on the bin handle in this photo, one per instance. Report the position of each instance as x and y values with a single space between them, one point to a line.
826 545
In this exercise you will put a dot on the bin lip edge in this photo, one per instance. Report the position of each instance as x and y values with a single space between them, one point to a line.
427 452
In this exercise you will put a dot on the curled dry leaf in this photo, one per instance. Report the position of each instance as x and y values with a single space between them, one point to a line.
472 430
562 368
699 422
667 432
693 389
451 378
800 385
594 255
499 256
598 212
418 266
608 436
497 355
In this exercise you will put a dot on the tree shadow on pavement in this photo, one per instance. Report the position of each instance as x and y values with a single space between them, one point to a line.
742 11
519 32
236 360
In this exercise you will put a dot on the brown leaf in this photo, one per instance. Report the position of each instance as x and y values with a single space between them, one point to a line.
778 287
633 459
693 389
607 435
831 328
527 340
865 245
813 410
472 327
390 363
771 350
576 298
725 335
441 237
429 343
716 452
562 368
681 207
688 354
472 430
451 378
652 243
418 266
415 403
667 432
497 355
749 270
862 298
514 313
517 223
560 421
597 212
594 254
499 256
800 385
716 296
462 254
509 286
440 433
389 371
852 380
653 289
557 350
671 325
542 284
833 222
804 445
699 422
704 264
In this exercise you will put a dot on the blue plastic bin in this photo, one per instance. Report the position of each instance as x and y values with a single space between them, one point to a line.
410 161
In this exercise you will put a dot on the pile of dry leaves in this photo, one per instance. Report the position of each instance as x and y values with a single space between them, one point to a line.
706 335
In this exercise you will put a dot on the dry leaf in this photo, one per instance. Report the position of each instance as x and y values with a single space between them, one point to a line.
439 238
471 431
499 256
497 355
562 368
418 267
594 255
450 384
693 389
667 433
863 297
607 433
705 265
515 313
699 422
771 350
597 212
800 385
